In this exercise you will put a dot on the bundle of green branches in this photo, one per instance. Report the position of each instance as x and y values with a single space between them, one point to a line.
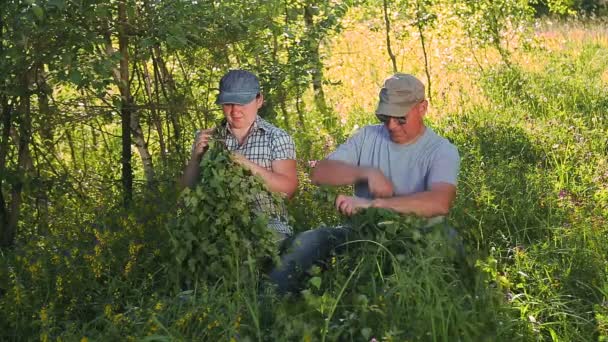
218 234
384 244
385 236
396 279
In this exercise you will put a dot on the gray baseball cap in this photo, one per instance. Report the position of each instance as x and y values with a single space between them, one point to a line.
399 94
238 86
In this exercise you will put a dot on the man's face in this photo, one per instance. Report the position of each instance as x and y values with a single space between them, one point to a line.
406 132
241 116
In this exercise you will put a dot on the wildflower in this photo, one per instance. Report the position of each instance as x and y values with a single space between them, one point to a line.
158 306
44 316
312 163
107 310
59 285
128 267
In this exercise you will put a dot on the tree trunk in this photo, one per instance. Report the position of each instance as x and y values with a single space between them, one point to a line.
46 133
127 105
281 92
387 24
5 231
175 105
24 163
427 67
156 120
315 60
142 148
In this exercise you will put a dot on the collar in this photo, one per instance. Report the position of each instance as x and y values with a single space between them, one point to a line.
258 124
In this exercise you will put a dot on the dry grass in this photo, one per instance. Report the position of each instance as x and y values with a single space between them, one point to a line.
357 60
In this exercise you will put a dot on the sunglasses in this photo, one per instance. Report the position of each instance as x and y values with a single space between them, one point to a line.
385 118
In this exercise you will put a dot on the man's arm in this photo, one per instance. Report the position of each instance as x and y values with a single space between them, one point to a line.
434 202
333 172
283 177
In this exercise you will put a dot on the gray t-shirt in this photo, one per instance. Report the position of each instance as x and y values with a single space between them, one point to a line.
411 168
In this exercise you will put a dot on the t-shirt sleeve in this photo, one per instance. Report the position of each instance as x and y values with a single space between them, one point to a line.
282 147
445 166
350 151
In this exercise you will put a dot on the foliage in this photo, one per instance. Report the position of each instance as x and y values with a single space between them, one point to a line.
494 23
570 7
217 235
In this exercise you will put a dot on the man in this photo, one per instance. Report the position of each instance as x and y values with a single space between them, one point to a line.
400 165
266 150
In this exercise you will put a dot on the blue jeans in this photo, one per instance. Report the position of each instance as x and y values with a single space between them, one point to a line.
314 247
300 253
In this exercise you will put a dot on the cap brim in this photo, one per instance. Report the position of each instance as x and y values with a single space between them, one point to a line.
393 110
236 98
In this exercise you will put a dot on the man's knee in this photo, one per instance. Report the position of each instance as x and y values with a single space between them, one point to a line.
319 239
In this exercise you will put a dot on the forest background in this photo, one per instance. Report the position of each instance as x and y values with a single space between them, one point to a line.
99 102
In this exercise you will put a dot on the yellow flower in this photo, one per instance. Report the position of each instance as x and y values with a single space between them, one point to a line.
213 324
34 269
134 248
158 306
107 310
44 316
128 267
84 339
59 286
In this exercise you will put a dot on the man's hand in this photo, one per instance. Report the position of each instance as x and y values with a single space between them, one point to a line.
334 172
201 142
349 205
378 184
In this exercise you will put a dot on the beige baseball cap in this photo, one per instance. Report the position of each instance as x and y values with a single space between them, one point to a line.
399 94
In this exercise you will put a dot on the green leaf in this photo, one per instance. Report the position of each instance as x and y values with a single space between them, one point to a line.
59 4
316 282
38 12
366 332
75 76
416 235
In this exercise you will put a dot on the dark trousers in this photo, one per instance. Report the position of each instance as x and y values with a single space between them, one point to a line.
301 252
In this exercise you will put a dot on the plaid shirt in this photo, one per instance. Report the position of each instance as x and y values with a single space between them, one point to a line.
264 144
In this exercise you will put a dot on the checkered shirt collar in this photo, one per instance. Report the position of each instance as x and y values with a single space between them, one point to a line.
258 124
